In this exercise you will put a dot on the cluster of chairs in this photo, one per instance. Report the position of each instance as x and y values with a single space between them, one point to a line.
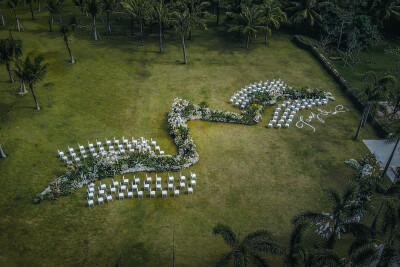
241 98
131 189
291 108
111 149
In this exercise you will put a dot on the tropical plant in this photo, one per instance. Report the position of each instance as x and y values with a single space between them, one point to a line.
249 21
30 7
273 15
383 10
54 7
181 20
93 7
139 9
65 33
346 209
81 4
32 72
298 253
108 6
14 4
196 15
163 14
376 88
246 251
3 22
394 137
305 11
10 50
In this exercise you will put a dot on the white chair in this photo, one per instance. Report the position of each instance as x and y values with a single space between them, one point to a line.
130 193
157 148
73 155
120 147
126 181
170 178
158 179
152 193
98 143
137 180
158 187
192 175
65 158
110 148
162 153
182 178
134 142
108 142
71 150
134 186
60 153
90 145
125 141
81 147
112 189
95 155
100 200
77 160
146 186
109 198
103 186
140 194
129 146
116 141
170 186
164 193
121 195
182 185
192 182
122 186
90 194
189 190
115 183
153 143
176 193
101 191
148 179
90 202
91 150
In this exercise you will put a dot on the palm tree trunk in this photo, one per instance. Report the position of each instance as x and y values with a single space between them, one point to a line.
39 9
248 40
132 29
94 29
217 4
102 18
340 37
3 22
30 6
390 158
52 19
60 19
183 45
17 19
9 72
34 96
366 115
266 38
2 155
69 50
141 31
375 221
23 88
190 35
51 29
108 23
160 24
360 124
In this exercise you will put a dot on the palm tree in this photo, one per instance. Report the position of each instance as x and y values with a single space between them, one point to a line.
297 250
383 10
30 6
246 251
39 7
2 155
345 210
139 9
93 6
196 15
81 4
273 15
14 4
32 72
305 10
249 21
3 22
180 18
65 33
163 14
375 90
54 7
217 4
108 6
10 50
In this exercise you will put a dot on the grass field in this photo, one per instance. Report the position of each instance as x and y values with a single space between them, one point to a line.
249 177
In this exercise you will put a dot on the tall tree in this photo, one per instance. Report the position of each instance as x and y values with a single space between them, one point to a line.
10 50
302 11
297 253
54 7
30 7
2 155
273 16
81 4
249 21
93 7
140 10
14 4
383 10
246 251
65 33
394 137
180 19
197 12
163 14
3 22
32 72
376 89
108 6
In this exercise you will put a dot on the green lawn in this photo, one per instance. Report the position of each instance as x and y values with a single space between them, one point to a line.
249 177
